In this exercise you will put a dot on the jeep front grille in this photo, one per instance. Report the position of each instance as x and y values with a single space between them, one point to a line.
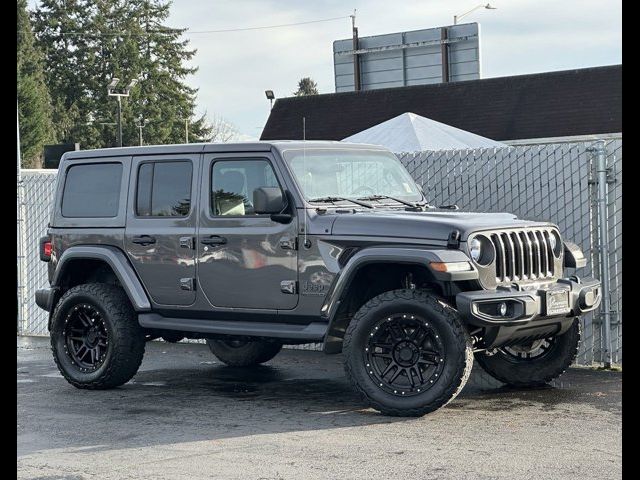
523 254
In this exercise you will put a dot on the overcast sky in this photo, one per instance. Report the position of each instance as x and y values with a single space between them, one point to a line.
521 36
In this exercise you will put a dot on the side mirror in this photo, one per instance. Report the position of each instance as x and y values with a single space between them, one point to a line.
267 200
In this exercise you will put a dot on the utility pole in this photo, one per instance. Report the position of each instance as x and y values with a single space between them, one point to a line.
186 130
119 120
141 124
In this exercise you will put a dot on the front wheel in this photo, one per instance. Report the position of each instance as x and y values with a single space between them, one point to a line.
407 353
244 353
535 363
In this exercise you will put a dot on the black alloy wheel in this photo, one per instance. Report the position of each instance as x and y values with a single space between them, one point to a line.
86 337
96 340
535 350
242 352
407 353
535 363
404 354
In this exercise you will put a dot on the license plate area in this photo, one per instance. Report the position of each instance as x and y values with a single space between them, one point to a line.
556 302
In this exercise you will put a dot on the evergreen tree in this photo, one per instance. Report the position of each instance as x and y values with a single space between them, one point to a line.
34 102
88 42
306 86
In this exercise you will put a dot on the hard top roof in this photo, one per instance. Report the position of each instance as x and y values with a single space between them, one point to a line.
259 146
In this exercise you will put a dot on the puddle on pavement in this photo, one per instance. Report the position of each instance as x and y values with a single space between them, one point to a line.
237 389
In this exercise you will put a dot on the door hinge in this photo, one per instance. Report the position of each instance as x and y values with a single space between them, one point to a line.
188 284
289 286
289 243
187 242
454 239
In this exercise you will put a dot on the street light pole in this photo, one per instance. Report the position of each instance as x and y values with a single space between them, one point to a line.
112 93
270 96
186 130
487 6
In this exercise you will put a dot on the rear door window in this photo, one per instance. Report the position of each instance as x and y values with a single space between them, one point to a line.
92 190
164 189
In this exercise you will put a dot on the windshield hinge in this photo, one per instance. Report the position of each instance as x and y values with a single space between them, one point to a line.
454 239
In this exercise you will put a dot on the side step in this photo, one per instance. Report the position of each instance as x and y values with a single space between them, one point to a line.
313 332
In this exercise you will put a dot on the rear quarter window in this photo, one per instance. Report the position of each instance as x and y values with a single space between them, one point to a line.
92 190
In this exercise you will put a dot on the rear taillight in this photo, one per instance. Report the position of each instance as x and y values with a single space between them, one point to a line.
46 249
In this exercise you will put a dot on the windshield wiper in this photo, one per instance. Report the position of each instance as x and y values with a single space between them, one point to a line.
340 199
415 206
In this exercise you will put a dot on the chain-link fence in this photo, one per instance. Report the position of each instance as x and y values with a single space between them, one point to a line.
552 182
542 182
38 187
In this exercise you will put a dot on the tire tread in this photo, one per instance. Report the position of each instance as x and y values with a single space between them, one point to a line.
465 362
537 374
128 339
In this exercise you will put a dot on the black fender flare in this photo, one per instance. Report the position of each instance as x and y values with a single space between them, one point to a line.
118 262
396 255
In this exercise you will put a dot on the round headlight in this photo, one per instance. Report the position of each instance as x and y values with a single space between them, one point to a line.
475 249
555 243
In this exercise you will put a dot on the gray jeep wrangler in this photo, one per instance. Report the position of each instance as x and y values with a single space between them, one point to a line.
252 246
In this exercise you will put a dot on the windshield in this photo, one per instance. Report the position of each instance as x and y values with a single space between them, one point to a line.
322 173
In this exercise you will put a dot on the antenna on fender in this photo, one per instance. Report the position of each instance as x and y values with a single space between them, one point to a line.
306 242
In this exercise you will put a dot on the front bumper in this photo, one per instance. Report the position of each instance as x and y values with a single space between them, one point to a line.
521 304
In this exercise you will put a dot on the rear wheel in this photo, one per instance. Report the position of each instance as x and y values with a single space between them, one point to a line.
535 363
244 353
96 340
407 353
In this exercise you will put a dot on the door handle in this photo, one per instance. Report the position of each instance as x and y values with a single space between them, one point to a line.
143 240
214 240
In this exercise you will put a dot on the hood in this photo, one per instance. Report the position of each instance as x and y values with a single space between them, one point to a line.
435 225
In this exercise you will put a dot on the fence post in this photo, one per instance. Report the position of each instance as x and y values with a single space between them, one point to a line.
20 286
600 152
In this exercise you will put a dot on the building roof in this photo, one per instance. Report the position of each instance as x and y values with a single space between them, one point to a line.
551 104
412 133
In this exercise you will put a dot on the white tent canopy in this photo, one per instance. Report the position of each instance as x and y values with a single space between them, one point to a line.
412 133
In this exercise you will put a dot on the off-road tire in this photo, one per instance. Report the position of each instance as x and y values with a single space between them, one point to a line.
245 355
538 371
456 341
125 337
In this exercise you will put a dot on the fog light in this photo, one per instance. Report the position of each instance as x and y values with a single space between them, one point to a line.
502 309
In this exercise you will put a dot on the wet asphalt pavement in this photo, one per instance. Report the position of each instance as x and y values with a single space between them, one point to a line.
186 416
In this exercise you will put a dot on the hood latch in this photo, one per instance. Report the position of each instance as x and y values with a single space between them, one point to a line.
454 240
